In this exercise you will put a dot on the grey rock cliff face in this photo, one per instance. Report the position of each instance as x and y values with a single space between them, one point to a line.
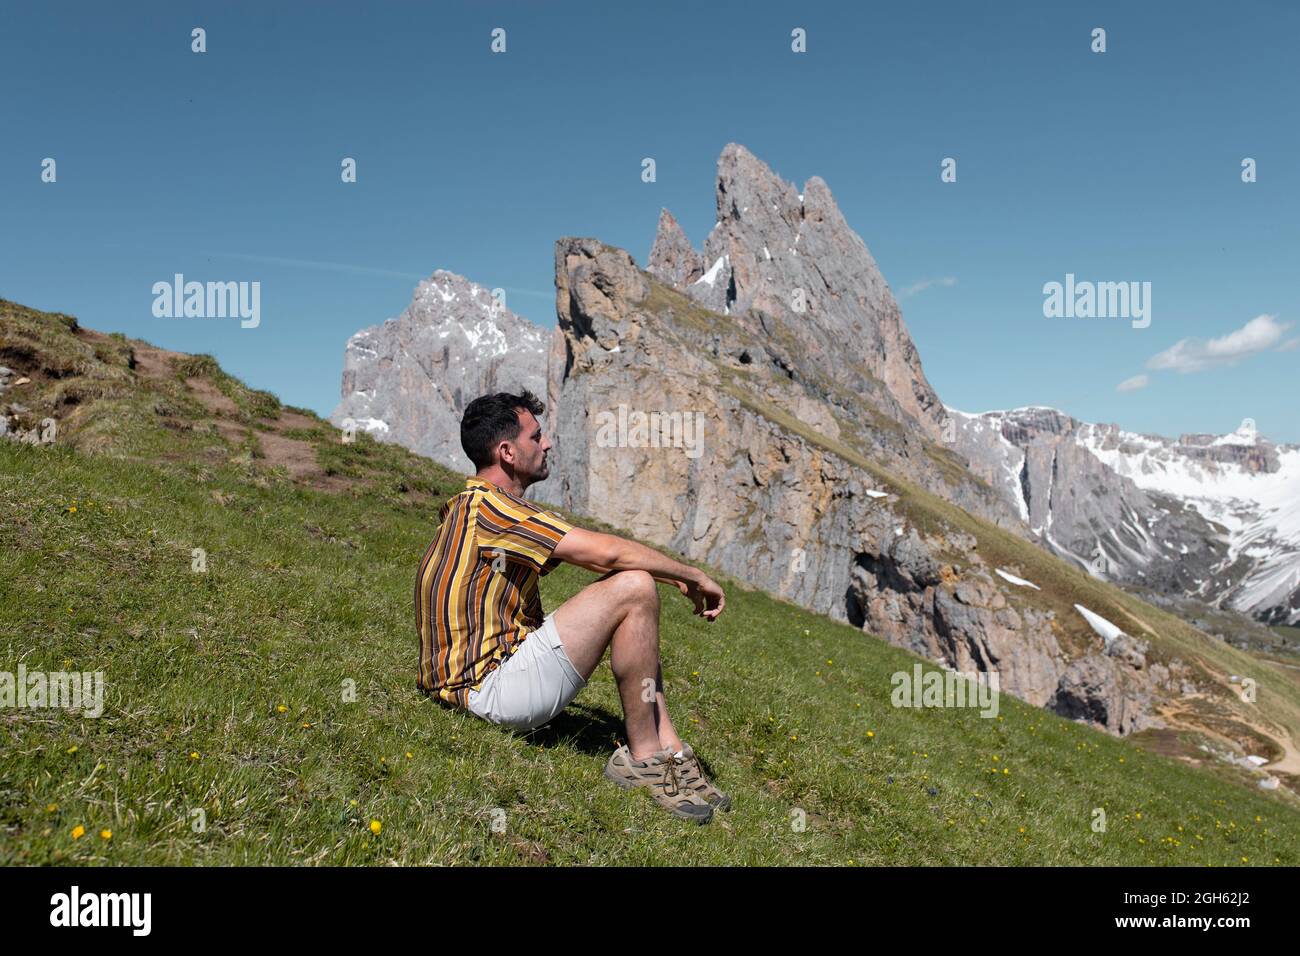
785 270
409 379
673 422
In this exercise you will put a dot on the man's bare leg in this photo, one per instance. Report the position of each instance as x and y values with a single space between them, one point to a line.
668 738
621 612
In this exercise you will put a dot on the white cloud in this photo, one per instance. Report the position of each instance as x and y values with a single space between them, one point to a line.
1290 345
1133 384
915 287
1260 334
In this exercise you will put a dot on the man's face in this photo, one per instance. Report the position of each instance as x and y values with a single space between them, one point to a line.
530 448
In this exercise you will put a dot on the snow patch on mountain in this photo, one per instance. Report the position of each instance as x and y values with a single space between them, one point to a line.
1017 581
1104 628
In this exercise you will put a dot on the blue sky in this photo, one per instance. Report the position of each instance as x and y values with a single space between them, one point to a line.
1122 166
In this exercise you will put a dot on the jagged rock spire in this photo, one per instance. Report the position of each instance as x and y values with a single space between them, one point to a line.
788 262
671 257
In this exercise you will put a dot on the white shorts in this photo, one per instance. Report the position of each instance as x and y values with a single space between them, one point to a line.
530 686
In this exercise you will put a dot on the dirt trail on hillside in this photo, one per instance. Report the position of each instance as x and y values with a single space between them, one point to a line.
296 456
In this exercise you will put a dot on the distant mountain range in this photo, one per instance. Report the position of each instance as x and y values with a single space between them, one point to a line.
1211 517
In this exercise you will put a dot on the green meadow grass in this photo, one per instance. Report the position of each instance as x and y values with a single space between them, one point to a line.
226 694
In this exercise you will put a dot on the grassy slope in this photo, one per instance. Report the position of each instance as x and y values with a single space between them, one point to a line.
308 587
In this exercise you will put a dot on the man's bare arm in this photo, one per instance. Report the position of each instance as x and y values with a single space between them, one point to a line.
607 552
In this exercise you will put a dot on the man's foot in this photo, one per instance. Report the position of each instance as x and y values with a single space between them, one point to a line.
693 778
661 774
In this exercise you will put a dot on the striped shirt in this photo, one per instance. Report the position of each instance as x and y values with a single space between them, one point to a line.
476 595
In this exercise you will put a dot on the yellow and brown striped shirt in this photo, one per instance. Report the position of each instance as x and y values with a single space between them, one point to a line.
476 593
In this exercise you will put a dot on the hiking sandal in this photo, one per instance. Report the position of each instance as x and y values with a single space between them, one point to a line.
692 775
662 775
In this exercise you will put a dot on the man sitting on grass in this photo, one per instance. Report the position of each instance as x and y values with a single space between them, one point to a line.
484 643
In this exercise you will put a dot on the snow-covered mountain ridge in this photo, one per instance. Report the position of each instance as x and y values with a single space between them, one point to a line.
1215 517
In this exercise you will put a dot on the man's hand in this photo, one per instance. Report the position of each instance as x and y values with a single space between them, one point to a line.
705 595
603 553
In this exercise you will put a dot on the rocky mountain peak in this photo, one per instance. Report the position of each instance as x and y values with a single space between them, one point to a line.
745 185
409 379
1022 426
786 263
671 257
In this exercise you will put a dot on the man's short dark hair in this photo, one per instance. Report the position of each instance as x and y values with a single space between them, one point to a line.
491 419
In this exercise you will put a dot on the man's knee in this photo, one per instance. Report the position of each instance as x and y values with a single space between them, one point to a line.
637 587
